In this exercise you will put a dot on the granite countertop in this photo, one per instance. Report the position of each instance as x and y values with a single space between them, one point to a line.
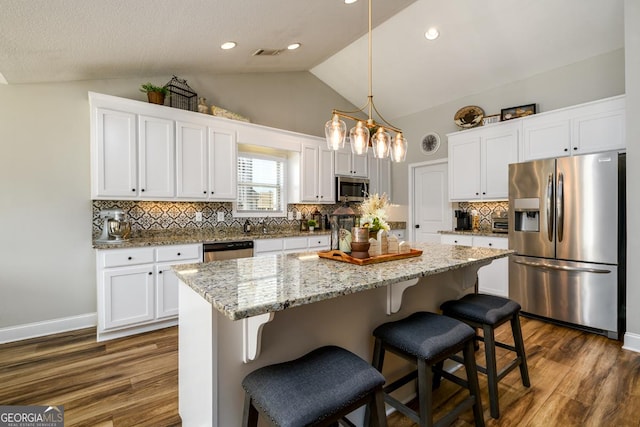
248 287
222 234
481 232
181 237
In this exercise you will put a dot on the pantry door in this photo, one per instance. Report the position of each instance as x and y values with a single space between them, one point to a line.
429 204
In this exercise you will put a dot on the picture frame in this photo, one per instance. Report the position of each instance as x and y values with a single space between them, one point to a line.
517 112
487 120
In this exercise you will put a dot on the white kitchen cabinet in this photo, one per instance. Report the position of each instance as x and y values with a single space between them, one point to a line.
581 129
479 162
379 175
317 175
137 290
350 164
206 162
156 154
133 155
286 245
114 154
493 278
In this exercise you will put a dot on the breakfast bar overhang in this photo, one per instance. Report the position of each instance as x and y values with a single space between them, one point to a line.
239 315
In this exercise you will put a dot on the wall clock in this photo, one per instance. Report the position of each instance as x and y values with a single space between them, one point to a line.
430 143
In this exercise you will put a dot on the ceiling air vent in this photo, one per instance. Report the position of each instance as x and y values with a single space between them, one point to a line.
267 52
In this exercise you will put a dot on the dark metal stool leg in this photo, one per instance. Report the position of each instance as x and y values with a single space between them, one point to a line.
492 369
379 408
519 345
425 381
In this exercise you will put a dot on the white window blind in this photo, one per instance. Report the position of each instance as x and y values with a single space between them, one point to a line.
260 184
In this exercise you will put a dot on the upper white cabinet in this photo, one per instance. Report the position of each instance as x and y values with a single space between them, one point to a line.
379 175
148 152
206 162
478 162
312 174
587 128
350 164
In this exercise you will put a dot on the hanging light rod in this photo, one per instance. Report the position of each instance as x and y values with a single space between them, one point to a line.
360 136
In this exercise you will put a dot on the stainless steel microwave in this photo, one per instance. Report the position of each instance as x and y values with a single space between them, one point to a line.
351 189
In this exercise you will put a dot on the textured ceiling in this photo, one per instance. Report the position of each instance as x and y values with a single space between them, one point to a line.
482 44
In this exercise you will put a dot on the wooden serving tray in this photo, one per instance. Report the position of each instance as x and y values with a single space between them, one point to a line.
337 255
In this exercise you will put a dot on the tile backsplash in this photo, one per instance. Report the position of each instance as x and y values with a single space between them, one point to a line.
155 216
485 209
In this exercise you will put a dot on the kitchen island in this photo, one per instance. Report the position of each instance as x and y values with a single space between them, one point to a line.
239 315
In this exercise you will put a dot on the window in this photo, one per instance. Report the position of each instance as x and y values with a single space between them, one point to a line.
260 185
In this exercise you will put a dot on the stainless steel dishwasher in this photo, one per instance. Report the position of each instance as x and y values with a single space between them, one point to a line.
227 250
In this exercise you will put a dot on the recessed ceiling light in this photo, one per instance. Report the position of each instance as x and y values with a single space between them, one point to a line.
432 34
350 1
228 45
294 46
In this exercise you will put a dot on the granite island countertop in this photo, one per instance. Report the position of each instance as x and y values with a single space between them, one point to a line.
248 287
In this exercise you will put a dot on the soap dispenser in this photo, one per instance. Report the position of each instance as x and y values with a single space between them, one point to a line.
247 226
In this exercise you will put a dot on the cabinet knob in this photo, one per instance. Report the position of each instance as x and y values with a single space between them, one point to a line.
133 189
455 241
142 190
483 193
490 244
417 225
129 258
477 194
204 192
212 192
150 273
179 254
566 149
322 197
575 148
160 272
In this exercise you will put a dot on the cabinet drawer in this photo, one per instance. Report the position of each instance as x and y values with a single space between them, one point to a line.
295 243
320 241
491 242
177 252
267 245
456 239
122 257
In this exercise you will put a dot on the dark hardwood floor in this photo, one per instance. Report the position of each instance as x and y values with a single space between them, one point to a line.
578 379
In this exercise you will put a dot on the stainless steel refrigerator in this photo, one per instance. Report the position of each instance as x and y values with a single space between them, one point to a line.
567 226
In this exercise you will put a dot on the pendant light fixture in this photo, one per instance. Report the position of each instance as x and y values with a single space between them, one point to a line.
366 131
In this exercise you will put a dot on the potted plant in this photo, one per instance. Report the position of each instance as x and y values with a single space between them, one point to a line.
155 94
312 224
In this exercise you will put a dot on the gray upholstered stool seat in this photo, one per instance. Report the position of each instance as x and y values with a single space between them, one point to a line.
488 312
427 339
317 389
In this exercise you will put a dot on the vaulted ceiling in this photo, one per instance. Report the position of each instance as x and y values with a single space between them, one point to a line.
482 44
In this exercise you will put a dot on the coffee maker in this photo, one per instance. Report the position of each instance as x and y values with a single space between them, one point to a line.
463 220
115 229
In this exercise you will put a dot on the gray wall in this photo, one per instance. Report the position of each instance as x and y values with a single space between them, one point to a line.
47 266
632 46
595 78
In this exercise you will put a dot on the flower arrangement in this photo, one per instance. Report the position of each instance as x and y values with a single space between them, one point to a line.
373 212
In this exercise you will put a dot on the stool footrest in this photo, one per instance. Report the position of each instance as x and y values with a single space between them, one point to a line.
404 409
463 406
401 381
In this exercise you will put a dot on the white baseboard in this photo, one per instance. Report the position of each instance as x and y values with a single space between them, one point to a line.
631 342
47 327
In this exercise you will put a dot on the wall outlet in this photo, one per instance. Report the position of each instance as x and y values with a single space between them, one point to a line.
220 216
298 215
289 215
198 216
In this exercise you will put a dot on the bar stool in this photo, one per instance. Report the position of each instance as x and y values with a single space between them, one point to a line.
318 389
427 339
488 312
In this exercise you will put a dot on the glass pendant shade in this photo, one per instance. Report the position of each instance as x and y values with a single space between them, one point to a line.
381 142
398 148
359 137
335 130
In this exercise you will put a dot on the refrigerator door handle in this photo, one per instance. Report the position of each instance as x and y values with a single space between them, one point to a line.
550 208
560 206
562 267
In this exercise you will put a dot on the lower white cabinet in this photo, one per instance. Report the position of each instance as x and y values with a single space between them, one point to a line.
292 245
137 290
494 278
